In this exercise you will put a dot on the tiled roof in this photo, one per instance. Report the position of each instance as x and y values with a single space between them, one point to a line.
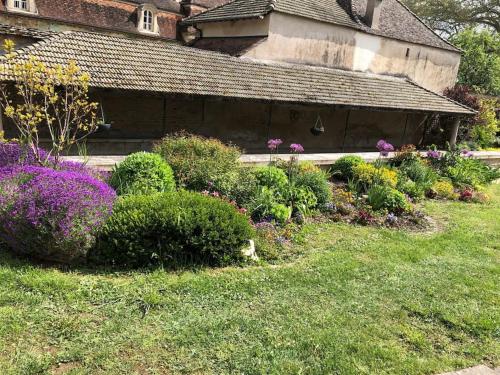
134 63
23 31
397 21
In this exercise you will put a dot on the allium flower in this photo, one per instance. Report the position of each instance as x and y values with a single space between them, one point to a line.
467 154
273 144
433 154
384 147
296 148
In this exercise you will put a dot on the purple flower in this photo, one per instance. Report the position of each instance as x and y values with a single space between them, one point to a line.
384 147
52 214
296 148
467 154
273 144
391 219
433 154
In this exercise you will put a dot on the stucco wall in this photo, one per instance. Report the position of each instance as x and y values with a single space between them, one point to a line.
138 120
252 27
301 40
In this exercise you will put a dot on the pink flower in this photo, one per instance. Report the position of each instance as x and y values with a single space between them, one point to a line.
432 154
273 144
467 154
296 148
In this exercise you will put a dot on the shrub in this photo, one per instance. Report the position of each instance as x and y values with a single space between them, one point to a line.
317 182
302 200
485 131
272 177
444 190
367 175
13 154
246 189
201 163
343 168
386 198
411 188
405 153
420 173
281 213
51 215
142 173
173 229
471 172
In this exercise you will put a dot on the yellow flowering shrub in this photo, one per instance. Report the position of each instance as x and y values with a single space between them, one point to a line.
444 190
367 175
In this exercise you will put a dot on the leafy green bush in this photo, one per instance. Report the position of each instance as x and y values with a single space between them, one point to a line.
281 213
142 173
172 229
201 163
272 177
343 168
317 182
301 199
484 132
471 172
411 188
382 197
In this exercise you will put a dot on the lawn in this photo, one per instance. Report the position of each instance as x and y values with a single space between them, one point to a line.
358 300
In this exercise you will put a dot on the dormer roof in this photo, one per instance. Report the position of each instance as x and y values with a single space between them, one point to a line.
397 21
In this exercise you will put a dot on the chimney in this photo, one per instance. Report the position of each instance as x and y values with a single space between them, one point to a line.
372 16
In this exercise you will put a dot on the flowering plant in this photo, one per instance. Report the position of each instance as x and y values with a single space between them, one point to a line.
51 214
467 153
384 147
296 148
433 154
273 144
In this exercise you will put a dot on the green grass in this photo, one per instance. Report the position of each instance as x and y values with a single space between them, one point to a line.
359 301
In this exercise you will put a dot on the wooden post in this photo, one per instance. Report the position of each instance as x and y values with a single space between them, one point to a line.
345 130
454 132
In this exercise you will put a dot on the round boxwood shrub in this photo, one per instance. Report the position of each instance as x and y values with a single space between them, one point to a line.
382 197
172 229
51 215
343 167
142 173
272 177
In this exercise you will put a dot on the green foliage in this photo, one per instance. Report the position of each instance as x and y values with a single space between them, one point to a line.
263 203
200 163
382 197
343 168
316 182
142 173
281 213
272 177
301 199
471 172
172 229
480 67
485 130
366 175
415 178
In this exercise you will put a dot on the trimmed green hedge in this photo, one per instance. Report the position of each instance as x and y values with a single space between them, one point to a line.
173 229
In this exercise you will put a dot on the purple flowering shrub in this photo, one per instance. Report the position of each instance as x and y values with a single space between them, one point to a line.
13 154
51 214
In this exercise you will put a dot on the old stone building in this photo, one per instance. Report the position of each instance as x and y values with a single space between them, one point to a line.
334 75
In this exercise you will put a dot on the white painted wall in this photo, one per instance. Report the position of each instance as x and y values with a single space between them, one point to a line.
305 41
301 40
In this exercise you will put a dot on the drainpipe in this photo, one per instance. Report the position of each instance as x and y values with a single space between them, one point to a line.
454 132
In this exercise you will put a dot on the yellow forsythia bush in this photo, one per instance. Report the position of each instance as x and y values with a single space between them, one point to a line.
368 174
444 190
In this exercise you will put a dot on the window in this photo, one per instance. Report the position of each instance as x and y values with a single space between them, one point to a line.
147 15
21 4
148 20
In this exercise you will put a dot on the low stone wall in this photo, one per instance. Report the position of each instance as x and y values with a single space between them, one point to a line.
107 162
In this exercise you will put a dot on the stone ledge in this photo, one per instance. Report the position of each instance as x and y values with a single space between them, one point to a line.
107 162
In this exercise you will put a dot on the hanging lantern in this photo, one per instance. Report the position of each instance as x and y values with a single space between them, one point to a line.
318 127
